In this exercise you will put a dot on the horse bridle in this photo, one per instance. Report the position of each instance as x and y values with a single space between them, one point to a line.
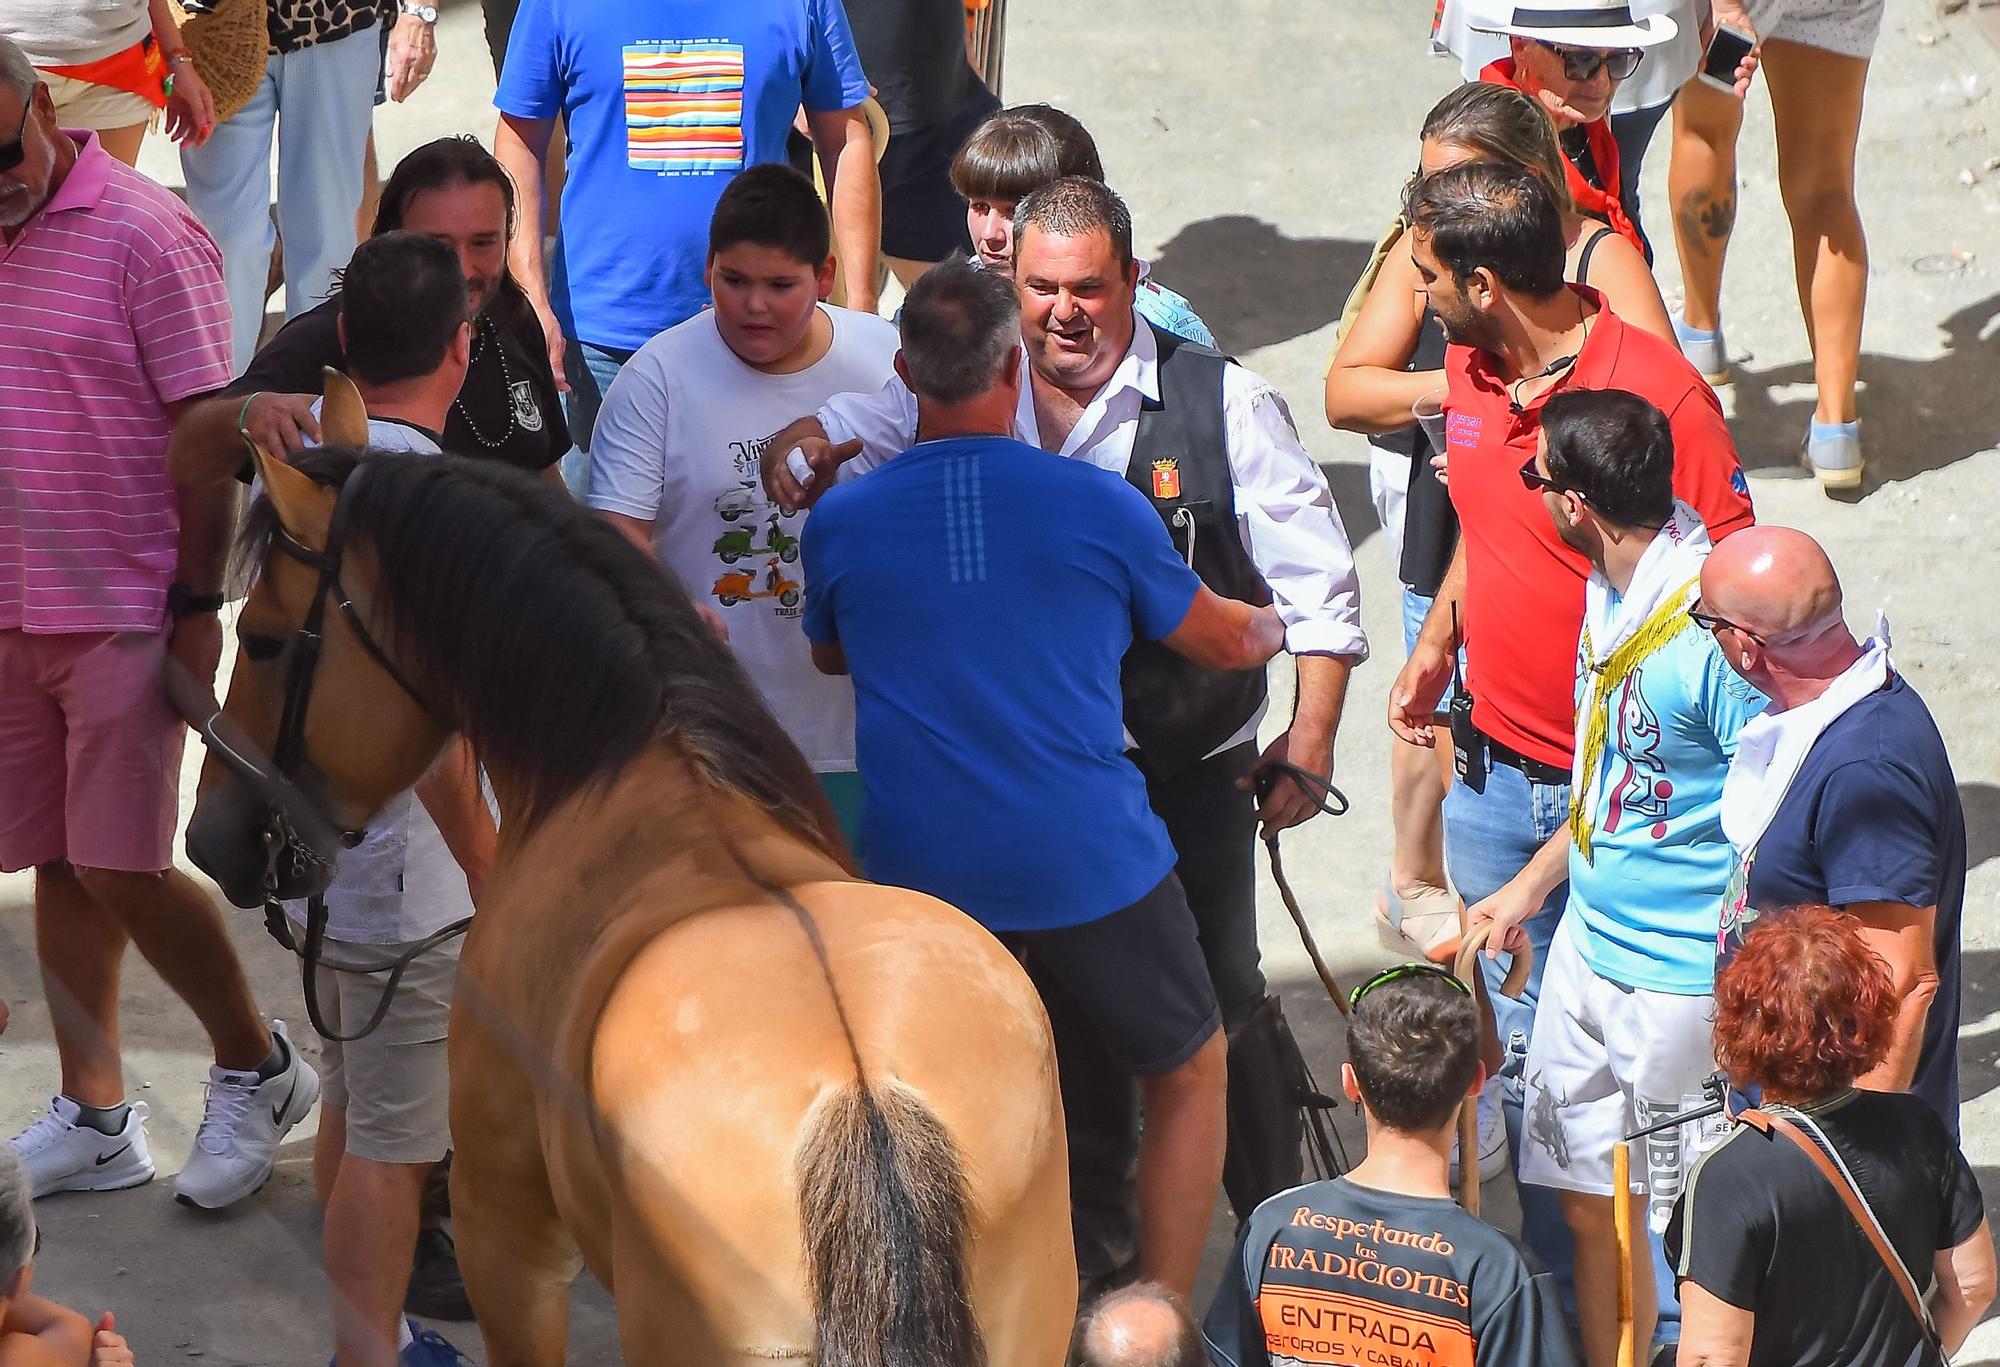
286 803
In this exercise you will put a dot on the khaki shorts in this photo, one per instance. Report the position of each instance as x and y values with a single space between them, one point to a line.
394 1083
85 104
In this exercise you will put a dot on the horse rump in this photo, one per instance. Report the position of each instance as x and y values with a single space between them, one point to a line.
883 1202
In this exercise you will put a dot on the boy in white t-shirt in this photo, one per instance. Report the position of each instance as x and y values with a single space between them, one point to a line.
384 1115
674 458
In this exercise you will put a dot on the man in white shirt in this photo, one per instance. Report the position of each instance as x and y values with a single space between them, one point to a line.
1213 446
674 461
405 325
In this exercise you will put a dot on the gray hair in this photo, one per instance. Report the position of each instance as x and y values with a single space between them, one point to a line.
958 325
1076 205
16 71
17 1212
1143 1325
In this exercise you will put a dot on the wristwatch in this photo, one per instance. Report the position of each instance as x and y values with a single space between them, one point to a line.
183 601
427 13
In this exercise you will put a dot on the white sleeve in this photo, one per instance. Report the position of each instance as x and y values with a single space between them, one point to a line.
1289 525
628 447
885 421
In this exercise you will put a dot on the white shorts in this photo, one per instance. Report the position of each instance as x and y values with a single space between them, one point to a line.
1606 1059
1847 28
85 104
1389 491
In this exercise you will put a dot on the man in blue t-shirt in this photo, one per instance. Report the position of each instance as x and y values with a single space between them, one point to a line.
662 104
1622 1029
982 593
1842 794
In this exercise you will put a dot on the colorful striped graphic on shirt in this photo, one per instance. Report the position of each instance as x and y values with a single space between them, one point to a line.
684 106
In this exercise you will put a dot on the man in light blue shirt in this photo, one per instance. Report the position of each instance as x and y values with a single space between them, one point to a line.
1622 1030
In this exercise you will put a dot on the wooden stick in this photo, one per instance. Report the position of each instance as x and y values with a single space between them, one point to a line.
1466 968
1621 1219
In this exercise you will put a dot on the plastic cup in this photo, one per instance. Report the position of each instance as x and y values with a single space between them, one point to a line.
1430 415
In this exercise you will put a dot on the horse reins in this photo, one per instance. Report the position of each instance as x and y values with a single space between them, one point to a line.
280 836
1330 800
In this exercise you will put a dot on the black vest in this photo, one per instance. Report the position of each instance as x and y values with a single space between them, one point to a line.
1177 711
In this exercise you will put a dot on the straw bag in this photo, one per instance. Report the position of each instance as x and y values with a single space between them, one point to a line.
229 40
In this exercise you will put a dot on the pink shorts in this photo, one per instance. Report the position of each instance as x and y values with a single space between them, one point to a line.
90 752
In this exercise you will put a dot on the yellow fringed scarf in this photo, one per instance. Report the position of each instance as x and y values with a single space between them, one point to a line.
1669 620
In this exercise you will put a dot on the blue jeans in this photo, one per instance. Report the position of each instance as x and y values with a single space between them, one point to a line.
1633 131
1488 838
319 102
590 370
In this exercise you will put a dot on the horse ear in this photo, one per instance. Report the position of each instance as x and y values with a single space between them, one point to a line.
343 418
304 506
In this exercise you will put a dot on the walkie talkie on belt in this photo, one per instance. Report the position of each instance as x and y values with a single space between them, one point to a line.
1468 746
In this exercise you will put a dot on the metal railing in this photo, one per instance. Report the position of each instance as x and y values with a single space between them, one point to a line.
986 39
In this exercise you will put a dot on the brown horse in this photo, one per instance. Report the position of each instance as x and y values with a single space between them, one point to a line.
782 1113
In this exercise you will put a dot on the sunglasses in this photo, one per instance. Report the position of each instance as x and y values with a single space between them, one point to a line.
1708 621
1582 63
1534 480
13 153
1401 971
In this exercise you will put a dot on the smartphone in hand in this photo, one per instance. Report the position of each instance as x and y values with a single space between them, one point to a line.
1726 51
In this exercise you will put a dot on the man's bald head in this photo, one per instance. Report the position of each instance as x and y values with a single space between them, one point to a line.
1776 582
1137 1326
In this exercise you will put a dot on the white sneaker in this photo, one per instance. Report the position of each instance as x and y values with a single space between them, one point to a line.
246 1118
1492 1137
61 1155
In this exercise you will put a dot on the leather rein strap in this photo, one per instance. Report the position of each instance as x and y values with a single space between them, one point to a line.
1766 1122
1331 801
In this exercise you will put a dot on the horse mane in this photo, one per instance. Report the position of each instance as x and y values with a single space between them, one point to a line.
556 646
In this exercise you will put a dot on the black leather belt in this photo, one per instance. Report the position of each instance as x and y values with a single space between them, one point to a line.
1532 769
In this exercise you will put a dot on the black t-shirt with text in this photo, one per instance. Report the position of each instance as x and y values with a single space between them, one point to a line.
1336 1273
508 408
1761 1228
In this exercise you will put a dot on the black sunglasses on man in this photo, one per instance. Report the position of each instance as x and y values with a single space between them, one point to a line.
13 153
1581 63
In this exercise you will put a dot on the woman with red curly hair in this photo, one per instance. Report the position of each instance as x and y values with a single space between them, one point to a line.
1774 1271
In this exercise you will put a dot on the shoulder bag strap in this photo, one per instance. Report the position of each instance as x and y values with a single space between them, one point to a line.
1856 1207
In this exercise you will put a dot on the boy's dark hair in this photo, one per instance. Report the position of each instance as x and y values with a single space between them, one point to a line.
1414 1044
455 160
1072 206
1616 451
1500 217
771 205
1019 150
402 301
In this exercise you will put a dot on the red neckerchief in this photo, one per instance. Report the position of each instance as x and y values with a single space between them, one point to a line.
1589 199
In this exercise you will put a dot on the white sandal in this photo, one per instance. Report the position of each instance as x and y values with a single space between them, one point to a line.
1426 927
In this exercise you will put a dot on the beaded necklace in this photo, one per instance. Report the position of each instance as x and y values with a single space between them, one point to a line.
506 390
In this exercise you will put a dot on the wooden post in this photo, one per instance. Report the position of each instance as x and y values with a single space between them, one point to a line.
1621 1219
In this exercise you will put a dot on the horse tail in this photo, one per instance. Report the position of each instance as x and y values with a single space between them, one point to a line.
883 1201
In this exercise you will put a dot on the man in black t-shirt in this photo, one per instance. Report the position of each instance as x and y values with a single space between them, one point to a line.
914 54
509 408
1380 1266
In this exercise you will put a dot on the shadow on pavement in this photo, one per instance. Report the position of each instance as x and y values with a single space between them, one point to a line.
1254 286
1917 415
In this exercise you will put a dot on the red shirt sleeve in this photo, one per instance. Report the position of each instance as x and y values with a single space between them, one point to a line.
1707 474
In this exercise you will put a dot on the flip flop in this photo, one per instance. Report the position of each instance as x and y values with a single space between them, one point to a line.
1426 927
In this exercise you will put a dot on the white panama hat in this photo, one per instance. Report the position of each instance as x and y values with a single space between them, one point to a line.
1572 23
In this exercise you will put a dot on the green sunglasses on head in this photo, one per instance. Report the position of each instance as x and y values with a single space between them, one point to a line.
1409 970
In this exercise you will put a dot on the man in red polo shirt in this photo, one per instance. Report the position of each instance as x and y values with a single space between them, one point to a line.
1488 244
